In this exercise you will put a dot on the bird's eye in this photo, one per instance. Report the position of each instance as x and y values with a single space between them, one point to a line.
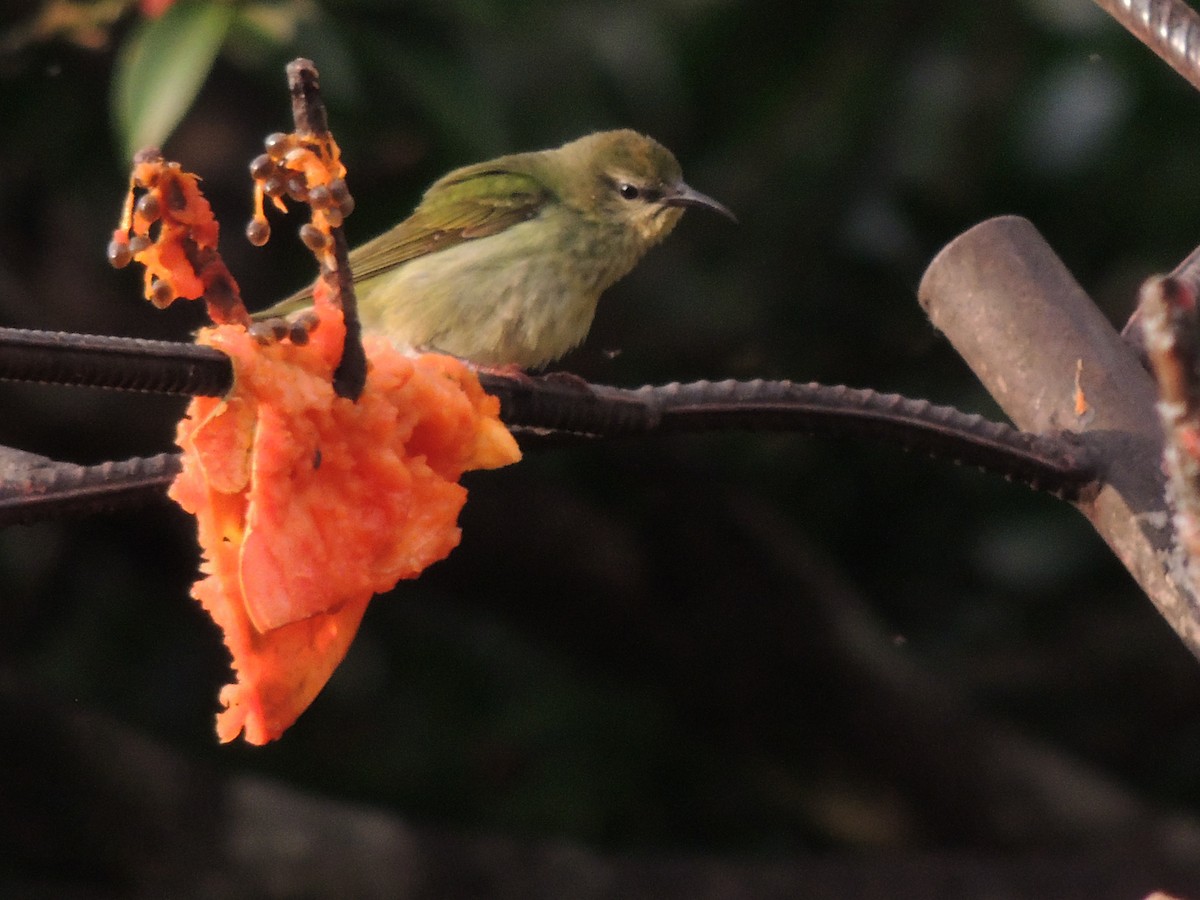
629 191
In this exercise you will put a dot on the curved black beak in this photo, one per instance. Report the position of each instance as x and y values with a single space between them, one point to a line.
682 195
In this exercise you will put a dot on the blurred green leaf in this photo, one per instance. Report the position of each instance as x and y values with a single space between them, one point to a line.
161 68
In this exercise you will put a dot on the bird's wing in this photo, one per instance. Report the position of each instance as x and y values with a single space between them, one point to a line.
467 204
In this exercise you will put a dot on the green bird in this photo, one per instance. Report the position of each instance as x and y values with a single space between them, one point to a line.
503 262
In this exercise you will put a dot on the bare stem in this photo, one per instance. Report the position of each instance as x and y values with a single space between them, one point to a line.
310 118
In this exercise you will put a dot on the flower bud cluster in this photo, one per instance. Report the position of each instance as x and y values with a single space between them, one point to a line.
168 227
304 169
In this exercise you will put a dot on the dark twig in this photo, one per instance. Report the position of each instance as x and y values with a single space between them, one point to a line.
308 113
308 109
350 376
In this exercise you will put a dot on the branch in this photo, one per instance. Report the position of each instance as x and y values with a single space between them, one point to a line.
1028 331
563 408
311 121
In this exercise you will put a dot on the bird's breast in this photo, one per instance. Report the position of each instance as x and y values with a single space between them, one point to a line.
523 296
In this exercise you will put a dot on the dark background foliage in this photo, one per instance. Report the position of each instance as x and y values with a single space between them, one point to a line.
766 647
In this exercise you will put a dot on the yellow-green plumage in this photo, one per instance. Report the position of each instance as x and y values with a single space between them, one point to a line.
503 262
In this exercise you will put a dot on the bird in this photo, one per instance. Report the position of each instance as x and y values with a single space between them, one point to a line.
503 262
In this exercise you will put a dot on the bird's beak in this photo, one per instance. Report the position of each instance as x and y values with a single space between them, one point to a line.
682 195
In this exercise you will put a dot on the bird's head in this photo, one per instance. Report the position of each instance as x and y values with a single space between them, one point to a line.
627 178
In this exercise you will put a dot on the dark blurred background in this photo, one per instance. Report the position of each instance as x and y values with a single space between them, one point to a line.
819 667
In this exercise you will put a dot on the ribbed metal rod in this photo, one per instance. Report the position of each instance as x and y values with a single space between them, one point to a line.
1170 28
62 489
125 364
1055 462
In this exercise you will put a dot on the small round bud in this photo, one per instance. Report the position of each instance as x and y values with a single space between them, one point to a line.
138 243
261 166
313 237
297 188
333 217
337 187
161 293
119 254
273 186
293 157
341 196
320 196
276 144
280 327
148 207
261 332
298 334
258 231
308 320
